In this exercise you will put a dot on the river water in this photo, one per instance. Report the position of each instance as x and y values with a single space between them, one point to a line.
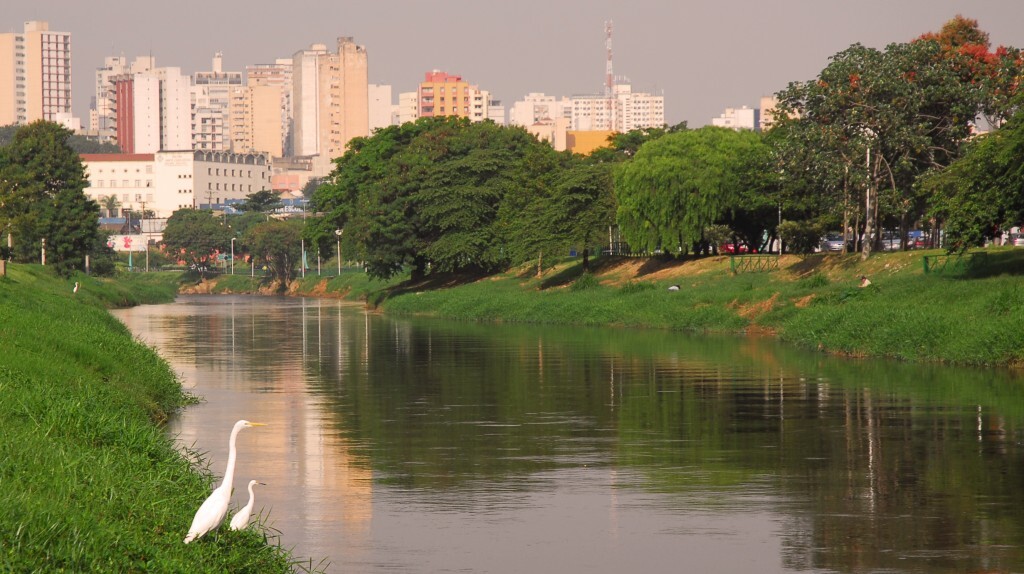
420 445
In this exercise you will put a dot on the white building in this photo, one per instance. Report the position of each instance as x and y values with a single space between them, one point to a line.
210 95
623 111
152 108
166 181
738 119
381 109
35 74
537 108
407 107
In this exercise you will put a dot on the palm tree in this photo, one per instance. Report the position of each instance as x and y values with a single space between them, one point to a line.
110 203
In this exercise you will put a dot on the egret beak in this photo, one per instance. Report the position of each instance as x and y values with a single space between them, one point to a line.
257 424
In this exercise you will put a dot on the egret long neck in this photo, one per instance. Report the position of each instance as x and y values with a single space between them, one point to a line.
229 472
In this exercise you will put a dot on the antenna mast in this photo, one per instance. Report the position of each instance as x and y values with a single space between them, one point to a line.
609 81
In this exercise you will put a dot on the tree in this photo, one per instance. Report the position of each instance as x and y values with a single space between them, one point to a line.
979 196
110 204
41 198
196 236
434 194
677 185
278 245
890 116
262 201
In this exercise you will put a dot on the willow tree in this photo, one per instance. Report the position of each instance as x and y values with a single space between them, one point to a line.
681 183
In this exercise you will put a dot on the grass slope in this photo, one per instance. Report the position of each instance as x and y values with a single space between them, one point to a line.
973 316
88 481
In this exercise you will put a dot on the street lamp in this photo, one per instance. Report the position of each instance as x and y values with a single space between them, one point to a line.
233 255
338 232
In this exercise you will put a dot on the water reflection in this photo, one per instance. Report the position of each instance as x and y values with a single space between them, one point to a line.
418 445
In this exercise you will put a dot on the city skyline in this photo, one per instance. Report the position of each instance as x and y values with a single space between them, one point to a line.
703 57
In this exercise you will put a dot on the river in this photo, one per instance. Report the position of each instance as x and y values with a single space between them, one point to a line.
418 445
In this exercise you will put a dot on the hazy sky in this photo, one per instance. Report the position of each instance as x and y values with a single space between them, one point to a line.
703 56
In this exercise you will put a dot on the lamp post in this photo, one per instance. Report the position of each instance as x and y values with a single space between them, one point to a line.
338 233
302 260
233 255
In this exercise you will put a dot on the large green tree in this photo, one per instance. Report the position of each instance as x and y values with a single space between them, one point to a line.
982 194
889 116
196 237
433 194
278 246
678 185
41 198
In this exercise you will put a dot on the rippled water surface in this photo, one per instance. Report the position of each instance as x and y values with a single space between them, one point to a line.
410 445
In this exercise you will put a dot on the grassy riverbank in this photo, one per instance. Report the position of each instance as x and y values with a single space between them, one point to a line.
968 317
88 480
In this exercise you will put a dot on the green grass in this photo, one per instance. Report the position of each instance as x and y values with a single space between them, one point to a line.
972 317
88 480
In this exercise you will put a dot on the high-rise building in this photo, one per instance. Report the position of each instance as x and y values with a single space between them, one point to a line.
278 74
210 102
153 110
35 74
381 109
255 116
444 94
330 100
103 112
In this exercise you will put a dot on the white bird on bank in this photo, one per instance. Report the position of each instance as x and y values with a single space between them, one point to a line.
241 518
75 290
215 507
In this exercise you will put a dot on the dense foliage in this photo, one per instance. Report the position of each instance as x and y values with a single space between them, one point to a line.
42 203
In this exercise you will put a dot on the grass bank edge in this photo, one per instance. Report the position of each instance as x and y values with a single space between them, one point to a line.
92 481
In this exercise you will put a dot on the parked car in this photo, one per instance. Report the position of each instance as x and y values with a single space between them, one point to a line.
832 242
733 248
918 239
891 241
1016 240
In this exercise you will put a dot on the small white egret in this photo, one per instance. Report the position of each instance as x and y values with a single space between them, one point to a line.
75 290
241 518
215 507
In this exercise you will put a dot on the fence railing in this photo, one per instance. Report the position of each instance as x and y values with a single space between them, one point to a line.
955 263
753 263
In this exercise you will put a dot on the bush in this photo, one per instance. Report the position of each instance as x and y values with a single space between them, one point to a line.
635 287
585 282
800 236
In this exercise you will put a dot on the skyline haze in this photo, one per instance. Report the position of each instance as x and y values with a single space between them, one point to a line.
702 56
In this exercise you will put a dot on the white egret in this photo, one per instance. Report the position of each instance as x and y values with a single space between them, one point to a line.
75 290
241 518
215 507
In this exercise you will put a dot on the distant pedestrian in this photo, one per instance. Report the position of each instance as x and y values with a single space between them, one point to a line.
864 281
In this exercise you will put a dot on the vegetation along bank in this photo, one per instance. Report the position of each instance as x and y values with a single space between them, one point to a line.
88 480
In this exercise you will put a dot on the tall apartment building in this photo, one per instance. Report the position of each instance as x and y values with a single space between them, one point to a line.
330 100
255 118
103 111
444 94
210 102
278 74
153 110
35 74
